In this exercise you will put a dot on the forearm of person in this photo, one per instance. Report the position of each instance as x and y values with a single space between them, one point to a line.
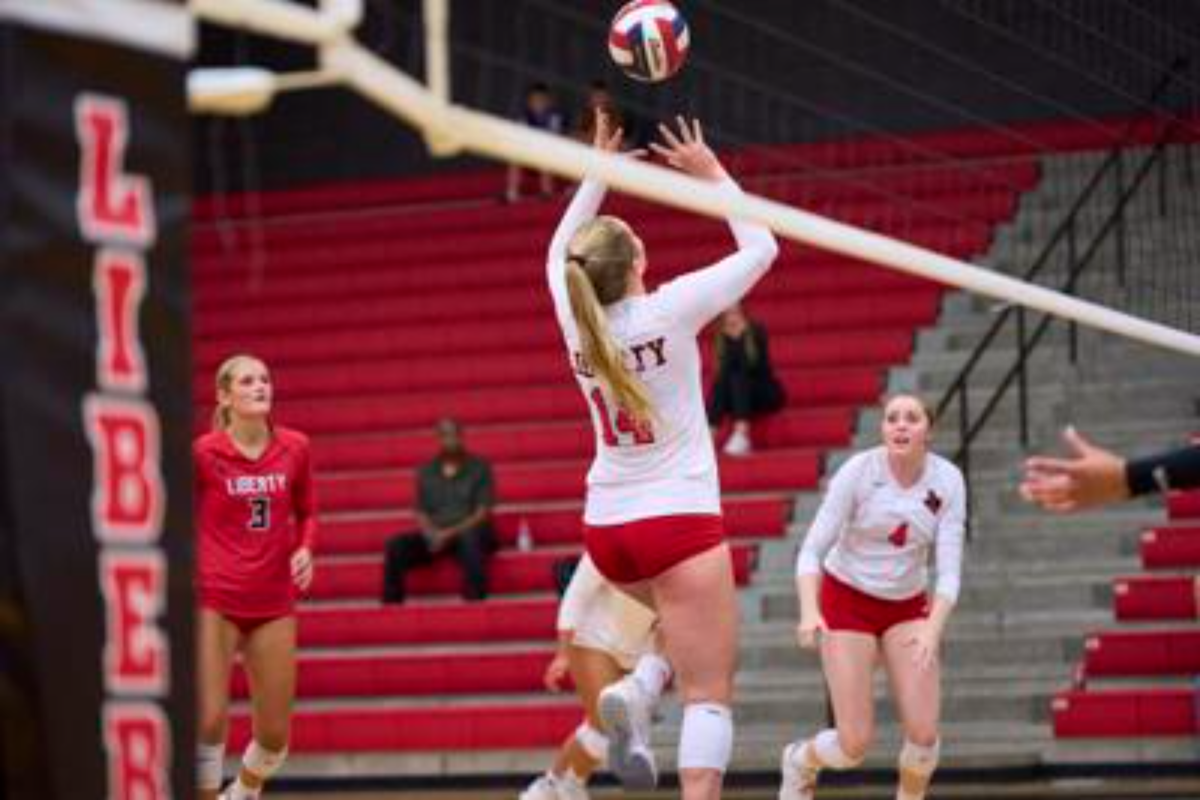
475 518
939 613
807 593
699 296
1176 469
425 524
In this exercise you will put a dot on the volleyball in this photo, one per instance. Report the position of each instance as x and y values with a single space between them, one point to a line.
648 40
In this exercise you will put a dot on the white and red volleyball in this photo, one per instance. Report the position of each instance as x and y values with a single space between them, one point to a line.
648 40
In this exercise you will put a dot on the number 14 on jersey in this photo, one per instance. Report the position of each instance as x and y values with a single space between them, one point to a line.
620 429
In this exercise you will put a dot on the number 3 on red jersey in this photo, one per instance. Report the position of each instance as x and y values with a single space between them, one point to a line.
623 423
260 514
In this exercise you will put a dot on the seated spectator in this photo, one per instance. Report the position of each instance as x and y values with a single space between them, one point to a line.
744 386
539 111
454 507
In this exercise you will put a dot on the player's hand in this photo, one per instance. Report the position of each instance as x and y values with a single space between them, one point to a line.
686 150
810 630
925 641
1091 477
442 538
605 138
556 672
302 568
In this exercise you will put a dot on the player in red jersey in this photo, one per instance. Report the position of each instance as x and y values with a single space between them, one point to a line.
256 526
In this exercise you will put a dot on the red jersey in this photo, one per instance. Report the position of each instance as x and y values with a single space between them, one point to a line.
251 516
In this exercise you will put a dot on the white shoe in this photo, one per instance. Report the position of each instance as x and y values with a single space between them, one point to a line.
797 783
738 444
625 712
542 788
570 787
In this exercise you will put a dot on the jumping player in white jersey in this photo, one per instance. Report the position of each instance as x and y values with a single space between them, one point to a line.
862 577
604 636
652 517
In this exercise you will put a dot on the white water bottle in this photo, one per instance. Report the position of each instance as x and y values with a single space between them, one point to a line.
524 536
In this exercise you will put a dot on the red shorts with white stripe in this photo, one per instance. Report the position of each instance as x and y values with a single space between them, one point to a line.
846 608
645 548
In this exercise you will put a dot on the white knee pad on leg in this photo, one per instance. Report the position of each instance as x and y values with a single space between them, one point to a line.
263 762
209 760
593 742
830 753
919 759
707 737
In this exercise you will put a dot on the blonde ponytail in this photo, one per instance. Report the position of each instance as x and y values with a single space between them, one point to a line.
600 348
597 275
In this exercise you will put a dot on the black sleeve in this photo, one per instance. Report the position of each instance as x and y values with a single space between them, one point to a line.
1175 469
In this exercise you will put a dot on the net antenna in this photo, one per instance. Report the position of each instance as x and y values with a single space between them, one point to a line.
449 129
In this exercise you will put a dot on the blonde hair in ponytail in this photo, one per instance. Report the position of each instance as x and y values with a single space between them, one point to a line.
601 257
221 419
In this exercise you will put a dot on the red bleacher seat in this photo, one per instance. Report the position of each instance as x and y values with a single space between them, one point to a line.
1184 505
1142 597
1171 548
1125 713
1143 652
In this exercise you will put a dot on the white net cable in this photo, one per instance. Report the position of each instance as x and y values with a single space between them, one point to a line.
454 128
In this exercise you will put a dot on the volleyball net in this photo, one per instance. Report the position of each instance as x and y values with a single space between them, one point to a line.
451 129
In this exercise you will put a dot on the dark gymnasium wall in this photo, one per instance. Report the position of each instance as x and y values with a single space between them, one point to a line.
760 70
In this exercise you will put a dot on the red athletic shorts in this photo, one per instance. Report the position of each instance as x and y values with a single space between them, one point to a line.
645 548
246 623
848 609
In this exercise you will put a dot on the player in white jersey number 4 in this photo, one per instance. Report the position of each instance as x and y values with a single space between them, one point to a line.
862 578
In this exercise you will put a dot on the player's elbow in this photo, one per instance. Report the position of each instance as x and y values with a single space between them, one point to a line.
767 252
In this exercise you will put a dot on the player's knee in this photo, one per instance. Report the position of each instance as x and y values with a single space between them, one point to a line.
832 751
855 741
706 740
264 759
715 688
592 741
919 759
922 735
212 723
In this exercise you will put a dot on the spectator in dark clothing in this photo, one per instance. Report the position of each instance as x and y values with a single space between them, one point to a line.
745 386
455 494
538 111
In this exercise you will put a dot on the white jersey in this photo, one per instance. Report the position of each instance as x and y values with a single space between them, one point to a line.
604 618
670 469
877 536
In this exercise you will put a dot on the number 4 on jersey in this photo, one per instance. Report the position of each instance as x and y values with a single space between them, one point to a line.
624 423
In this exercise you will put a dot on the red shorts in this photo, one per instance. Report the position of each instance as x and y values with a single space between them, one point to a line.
645 548
246 623
848 609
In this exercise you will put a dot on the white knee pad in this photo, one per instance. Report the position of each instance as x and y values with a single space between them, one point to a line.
830 753
918 759
707 737
263 762
209 760
593 742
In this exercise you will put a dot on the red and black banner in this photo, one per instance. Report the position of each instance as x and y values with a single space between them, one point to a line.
95 414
